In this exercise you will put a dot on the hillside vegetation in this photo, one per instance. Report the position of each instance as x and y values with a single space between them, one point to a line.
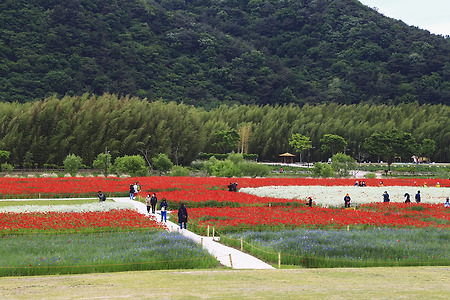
45 132
211 52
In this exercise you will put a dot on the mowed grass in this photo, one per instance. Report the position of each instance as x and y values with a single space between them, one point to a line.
345 283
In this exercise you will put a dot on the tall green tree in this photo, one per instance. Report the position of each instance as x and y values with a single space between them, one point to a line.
226 140
390 144
333 143
427 147
300 143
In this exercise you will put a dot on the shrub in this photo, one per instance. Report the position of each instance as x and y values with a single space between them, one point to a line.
179 171
7 167
371 175
72 163
323 170
100 161
162 163
226 168
236 158
254 169
342 164
133 165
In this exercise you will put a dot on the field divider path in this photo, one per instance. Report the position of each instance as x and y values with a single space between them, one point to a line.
227 256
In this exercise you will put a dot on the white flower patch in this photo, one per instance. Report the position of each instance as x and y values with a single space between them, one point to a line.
334 195
98 206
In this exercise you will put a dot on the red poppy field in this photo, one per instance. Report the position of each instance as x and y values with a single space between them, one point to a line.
210 203
54 222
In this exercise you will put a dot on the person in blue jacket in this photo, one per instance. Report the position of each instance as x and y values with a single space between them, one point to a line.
163 209
386 197
418 197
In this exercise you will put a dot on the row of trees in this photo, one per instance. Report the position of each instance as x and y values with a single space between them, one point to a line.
387 145
45 132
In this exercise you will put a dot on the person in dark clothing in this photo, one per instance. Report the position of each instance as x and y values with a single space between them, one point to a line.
407 198
101 196
163 208
309 202
182 216
230 187
347 201
386 197
418 197
153 201
131 192
235 187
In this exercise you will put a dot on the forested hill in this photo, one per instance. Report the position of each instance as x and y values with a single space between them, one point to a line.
209 52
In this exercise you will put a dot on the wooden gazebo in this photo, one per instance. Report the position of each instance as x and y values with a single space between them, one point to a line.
287 158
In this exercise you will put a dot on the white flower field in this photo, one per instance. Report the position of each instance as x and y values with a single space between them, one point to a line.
334 195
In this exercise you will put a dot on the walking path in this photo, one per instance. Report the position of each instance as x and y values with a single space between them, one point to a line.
227 256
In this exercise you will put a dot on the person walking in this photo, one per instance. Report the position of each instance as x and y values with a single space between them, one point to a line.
163 208
182 215
386 197
347 201
153 201
418 197
148 203
407 198
447 202
136 190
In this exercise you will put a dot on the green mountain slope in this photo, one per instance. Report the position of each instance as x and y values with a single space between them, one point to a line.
209 52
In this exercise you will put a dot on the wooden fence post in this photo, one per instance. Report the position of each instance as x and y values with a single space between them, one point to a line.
242 244
279 260
231 261
207 232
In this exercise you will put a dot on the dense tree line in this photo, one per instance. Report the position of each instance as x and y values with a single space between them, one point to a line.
45 132
213 52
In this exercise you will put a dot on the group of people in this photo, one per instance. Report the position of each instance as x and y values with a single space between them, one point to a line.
386 198
360 183
416 197
232 187
151 202
135 188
